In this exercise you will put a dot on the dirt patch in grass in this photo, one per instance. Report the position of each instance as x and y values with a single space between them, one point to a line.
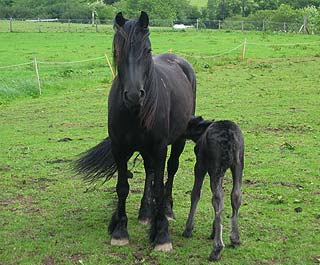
48 260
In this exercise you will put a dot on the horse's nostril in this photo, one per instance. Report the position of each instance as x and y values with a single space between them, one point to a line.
142 92
125 94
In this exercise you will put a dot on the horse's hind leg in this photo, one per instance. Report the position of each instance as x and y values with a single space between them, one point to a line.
119 220
217 202
199 173
145 212
172 167
236 202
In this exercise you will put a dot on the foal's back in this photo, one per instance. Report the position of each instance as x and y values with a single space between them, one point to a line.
223 144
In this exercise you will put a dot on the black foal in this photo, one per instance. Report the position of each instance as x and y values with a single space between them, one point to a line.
219 146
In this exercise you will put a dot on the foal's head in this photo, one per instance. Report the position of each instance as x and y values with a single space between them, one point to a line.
196 127
132 58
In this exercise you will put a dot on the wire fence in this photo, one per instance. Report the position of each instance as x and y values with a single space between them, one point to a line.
87 25
28 78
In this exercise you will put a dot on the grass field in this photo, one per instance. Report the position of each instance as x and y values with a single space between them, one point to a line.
274 95
199 3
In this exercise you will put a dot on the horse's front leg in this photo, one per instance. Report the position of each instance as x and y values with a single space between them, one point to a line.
172 168
119 220
145 212
159 234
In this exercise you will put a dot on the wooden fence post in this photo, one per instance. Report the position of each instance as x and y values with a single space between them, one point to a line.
244 49
37 75
197 24
110 66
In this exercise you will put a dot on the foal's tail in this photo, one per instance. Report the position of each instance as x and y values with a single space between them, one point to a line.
97 162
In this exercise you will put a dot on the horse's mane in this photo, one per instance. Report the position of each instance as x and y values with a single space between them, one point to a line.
122 42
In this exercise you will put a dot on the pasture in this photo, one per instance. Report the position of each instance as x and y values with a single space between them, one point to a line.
47 218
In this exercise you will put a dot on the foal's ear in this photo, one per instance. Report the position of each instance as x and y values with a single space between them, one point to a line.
144 20
195 120
120 20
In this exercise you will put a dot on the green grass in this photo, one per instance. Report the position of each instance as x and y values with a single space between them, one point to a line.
199 3
273 95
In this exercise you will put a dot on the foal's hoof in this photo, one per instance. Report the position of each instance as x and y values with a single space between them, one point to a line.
119 241
216 254
235 242
165 247
144 221
186 233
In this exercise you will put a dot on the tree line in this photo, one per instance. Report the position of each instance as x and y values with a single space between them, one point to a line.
273 10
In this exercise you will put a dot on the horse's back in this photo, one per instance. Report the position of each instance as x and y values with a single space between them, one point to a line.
172 59
177 78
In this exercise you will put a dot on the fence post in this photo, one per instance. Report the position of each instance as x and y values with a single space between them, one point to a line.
37 75
263 25
242 26
284 26
305 24
219 24
10 25
244 49
69 25
197 24
110 66
39 28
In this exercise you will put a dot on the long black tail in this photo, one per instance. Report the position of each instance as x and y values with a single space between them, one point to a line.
97 162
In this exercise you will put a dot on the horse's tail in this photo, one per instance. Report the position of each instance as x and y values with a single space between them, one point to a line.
98 162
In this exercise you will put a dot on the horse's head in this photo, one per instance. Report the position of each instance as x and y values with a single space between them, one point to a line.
132 58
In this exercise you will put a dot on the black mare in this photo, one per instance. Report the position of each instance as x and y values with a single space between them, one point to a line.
150 103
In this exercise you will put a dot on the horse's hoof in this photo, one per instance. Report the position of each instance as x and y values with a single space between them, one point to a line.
235 242
187 233
119 241
163 247
145 221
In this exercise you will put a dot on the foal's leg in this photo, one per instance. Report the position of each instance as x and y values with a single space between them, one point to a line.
217 202
119 220
145 212
199 173
172 167
159 234
236 196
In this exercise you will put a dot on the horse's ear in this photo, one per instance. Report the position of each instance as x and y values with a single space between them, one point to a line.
120 20
144 20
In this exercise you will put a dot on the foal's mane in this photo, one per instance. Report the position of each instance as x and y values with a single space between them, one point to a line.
122 43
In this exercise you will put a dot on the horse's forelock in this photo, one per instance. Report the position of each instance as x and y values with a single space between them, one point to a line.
123 38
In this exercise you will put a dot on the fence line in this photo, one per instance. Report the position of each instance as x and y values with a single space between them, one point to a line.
284 44
183 54
73 62
70 25
212 56
15 65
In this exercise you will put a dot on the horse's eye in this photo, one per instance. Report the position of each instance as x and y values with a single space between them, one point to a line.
148 51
